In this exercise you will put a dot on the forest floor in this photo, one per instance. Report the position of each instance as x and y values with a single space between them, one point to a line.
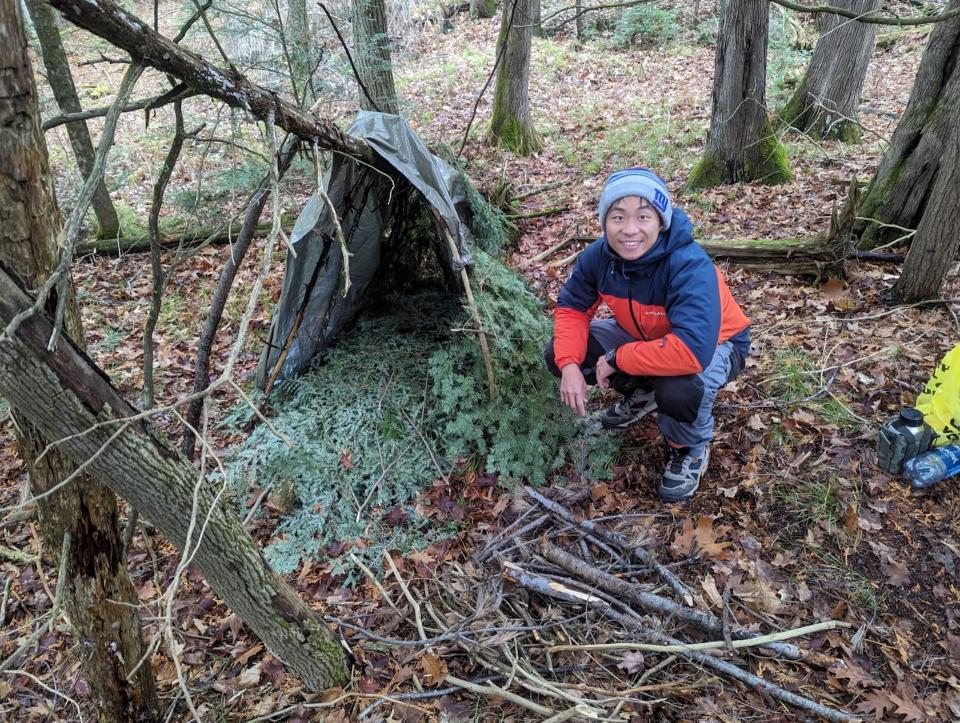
793 517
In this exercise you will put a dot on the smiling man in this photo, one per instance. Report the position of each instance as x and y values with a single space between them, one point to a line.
676 336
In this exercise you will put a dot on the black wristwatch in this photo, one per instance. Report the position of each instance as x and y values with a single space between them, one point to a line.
612 358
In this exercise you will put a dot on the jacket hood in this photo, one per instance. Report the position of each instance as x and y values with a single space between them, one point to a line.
678 235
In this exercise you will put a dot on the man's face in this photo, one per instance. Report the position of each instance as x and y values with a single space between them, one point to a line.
632 227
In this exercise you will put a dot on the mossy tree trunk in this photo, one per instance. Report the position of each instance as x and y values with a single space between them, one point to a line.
480 9
903 184
371 43
61 82
934 248
511 125
99 598
740 145
827 101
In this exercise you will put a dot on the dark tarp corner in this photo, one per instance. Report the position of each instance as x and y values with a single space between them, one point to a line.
361 196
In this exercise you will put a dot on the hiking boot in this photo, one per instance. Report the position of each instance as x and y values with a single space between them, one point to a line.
682 476
634 407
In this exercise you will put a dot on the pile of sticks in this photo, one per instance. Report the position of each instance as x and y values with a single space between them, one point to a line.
570 619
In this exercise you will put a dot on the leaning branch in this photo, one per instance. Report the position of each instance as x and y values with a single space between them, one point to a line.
148 104
69 399
124 30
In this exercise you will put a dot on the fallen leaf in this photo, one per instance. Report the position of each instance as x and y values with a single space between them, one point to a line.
709 585
434 667
632 662
876 702
701 539
346 459
250 678
254 649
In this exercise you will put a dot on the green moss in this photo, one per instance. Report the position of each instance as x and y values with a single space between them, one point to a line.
768 165
511 133
771 166
710 171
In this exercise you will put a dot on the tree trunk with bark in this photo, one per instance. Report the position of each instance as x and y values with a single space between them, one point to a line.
70 399
826 103
61 82
371 51
99 598
741 145
934 248
300 42
511 125
482 9
903 185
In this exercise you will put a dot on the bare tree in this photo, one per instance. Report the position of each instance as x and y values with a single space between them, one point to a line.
827 101
371 43
100 600
61 82
741 145
904 183
510 123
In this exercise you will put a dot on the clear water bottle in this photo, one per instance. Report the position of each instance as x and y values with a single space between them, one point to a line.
933 466
903 437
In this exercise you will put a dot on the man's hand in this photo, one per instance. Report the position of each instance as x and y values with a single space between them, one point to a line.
573 388
604 370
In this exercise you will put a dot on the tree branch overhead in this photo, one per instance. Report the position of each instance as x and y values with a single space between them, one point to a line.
115 25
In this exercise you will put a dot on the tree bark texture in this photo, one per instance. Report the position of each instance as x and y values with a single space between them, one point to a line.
65 92
827 101
99 598
482 9
934 247
69 399
300 45
908 171
741 145
115 25
511 125
371 53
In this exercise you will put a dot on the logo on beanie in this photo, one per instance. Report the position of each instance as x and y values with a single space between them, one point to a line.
660 200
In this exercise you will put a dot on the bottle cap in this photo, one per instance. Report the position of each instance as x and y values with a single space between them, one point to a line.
911 417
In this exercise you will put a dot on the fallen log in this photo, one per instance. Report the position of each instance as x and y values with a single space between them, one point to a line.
187 238
791 256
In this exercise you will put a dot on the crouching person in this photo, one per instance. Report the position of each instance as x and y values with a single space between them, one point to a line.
676 336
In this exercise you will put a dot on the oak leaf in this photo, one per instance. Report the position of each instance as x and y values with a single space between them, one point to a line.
434 667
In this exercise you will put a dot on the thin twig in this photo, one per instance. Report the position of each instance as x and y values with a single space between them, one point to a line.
645 556
41 630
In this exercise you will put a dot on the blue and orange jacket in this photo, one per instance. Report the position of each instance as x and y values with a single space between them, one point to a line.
672 299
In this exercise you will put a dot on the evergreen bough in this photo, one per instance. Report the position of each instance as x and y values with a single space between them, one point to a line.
401 401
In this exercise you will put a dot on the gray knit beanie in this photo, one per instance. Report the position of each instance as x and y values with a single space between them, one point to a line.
636 182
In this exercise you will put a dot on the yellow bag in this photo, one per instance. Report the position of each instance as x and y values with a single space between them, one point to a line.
940 400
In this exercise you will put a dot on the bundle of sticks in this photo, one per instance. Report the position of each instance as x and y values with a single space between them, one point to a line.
570 619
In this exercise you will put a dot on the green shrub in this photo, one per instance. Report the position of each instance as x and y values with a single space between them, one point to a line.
646 24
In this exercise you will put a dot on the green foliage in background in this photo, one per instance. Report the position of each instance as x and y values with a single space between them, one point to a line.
645 24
